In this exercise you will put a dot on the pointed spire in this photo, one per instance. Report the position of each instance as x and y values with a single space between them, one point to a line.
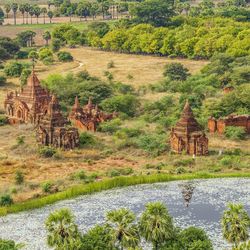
90 101
33 79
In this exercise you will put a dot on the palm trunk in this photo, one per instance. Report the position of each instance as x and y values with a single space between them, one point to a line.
50 20
31 19
44 18
15 18
37 19
23 18
27 16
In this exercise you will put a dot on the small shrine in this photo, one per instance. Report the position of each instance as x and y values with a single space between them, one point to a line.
187 135
89 116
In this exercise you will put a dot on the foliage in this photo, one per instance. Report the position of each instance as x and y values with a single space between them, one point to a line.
24 76
8 48
127 104
124 233
19 177
45 53
14 68
235 224
3 120
64 56
156 224
6 200
2 80
26 38
62 230
235 133
110 126
154 144
47 151
46 187
9 245
86 139
176 72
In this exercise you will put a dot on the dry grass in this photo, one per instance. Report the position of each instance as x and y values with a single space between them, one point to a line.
144 69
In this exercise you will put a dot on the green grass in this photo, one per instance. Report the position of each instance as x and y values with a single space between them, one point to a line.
105 185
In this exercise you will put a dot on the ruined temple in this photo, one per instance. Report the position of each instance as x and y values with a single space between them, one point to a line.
231 120
89 116
187 135
29 105
53 129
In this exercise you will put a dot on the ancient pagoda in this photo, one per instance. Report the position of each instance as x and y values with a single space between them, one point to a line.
53 129
89 116
187 135
29 105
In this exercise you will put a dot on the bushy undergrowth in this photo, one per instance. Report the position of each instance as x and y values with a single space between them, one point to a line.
235 133
47 151
3 120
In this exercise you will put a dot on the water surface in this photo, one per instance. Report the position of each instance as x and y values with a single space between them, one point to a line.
191 203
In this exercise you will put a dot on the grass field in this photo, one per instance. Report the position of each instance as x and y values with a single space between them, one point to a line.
107 155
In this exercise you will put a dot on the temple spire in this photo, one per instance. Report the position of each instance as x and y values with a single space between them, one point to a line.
77 104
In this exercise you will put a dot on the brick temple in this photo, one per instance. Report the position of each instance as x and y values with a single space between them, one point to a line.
220 125
35 105
89 116
29 105
187 135
53 129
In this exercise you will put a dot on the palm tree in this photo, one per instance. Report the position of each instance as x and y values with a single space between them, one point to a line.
7 8
27 9
44 11
235 224
37 12
50 15
31 12
156 224
14 7
62 230
123 230
22 10
47 37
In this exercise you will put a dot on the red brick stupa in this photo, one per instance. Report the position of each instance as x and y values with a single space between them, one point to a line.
187 135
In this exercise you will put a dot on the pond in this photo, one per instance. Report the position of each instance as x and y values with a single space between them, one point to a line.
191 203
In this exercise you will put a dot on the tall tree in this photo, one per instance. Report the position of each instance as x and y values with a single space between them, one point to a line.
31 12
235 224
47 37
43 11
22 10
155 12
7 8
103 6
62 230
124 232
14 7
37 12
1 16
156 224
27 9
50 15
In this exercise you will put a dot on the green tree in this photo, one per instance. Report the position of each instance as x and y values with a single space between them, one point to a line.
156 224
44 12
155 12
50 15
26 38
37 12
63 233
1 16
22 10
123 231
31 12
14 7
235 224
176 72
98 238
27 9
9 245
47 37
7 8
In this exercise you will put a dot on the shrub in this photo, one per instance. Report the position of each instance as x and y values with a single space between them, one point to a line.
13 69
80 175
44 53
127 104
110 126
176 72
184 163
24 76
20 140
56 45
64 56
9 245
235 133
110 64
153 144
86 139
2 80
124 133
48 60
19 177
3 120
6 200
46 187
47 151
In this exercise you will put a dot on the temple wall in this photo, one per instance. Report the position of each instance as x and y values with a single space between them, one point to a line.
212 125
